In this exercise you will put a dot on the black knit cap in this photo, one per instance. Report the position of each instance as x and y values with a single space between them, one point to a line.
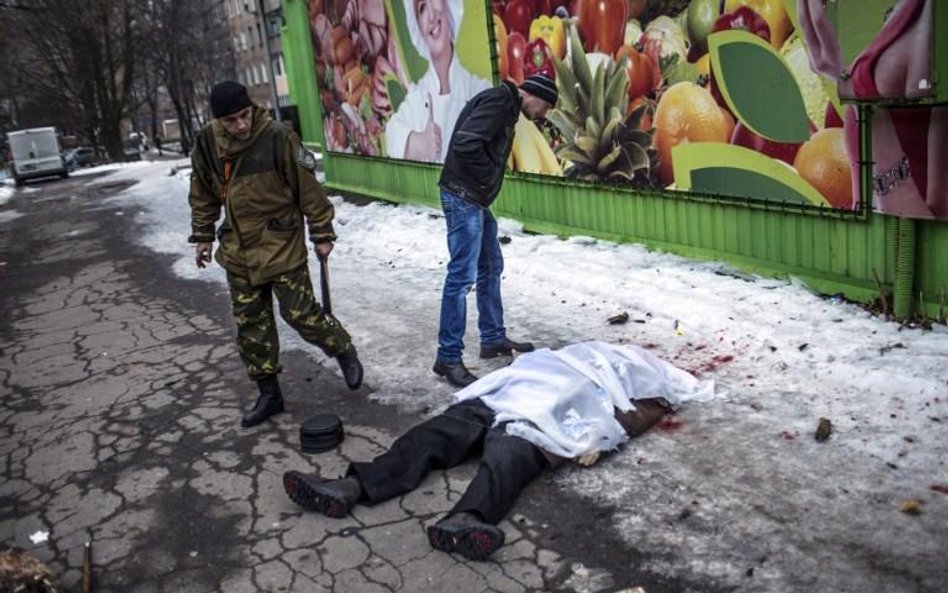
542 86
229 97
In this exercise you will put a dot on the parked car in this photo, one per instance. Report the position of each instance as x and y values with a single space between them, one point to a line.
132 149
82 156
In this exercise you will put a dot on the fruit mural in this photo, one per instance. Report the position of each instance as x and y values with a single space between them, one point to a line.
729 98
709 96
394 74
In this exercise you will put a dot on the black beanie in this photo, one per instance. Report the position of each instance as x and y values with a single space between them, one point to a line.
542 86
228 97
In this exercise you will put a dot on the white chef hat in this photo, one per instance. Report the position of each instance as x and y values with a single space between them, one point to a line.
454 10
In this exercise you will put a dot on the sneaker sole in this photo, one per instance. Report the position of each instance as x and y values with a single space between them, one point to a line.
475 543
309 496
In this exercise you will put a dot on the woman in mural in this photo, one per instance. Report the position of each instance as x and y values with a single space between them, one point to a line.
421 127
909 144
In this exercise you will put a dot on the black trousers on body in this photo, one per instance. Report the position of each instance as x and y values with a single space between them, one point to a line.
508 463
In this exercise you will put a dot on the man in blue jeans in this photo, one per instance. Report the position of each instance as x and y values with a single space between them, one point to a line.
470 181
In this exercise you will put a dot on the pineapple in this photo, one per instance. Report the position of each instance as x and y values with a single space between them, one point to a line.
600 142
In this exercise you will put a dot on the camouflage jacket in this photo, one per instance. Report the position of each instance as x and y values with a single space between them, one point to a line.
266 185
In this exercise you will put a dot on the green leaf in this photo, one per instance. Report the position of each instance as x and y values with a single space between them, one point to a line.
609 160
564 122
579 63
638 157
570 153
593 128
634 121
638 137
730 170
587 145
566 83
597 98
617 92
758 86
396 91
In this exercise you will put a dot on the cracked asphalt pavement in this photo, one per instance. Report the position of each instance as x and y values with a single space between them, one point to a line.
122 393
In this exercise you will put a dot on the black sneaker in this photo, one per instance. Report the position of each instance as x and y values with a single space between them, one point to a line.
455 373
464 534
351 368
333 498
504 348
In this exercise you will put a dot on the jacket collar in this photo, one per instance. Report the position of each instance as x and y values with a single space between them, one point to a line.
515 97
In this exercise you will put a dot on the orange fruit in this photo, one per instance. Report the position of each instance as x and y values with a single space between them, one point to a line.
686 112
825 163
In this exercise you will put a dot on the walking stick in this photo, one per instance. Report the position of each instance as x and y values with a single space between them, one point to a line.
87 567
324 284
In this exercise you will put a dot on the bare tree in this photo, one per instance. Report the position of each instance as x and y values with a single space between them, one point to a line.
192 50
79 59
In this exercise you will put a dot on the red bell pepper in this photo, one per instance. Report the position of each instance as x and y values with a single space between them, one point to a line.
538 59
518 15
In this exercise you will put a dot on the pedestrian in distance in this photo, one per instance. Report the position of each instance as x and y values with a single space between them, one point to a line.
256 170
470 182
545 408
158 143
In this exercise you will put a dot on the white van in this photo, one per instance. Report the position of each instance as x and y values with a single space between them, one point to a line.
35 154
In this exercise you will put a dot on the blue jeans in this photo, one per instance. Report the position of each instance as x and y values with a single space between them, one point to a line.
475 259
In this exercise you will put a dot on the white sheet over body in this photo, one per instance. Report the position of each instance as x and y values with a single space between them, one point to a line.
563 400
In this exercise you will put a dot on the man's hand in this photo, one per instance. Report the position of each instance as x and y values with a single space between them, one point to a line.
202 254
587 459
323 249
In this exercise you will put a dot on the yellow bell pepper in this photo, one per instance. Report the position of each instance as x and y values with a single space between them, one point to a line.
551 30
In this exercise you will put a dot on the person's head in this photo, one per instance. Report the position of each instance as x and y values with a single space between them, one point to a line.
432 25
539 96
232 107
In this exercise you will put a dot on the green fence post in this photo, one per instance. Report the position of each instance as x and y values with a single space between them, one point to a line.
301 71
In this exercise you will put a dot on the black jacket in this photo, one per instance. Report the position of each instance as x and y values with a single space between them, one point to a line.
481 143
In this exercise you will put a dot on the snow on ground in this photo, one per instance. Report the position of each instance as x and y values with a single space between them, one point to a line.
723 490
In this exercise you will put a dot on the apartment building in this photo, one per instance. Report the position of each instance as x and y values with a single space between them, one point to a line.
255 34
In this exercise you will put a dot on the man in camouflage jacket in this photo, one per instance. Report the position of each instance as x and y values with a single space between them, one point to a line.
259 173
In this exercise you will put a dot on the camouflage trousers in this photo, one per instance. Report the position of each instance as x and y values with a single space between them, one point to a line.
257 339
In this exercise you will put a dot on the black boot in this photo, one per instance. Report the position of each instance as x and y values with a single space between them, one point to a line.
505 348
333 498
455 373
269 402
351 367
466 535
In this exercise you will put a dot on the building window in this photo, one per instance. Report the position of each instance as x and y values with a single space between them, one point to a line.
250 36
264 77
274 24
259 35
236 6
277 62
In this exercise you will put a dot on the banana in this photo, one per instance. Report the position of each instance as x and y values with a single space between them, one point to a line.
531 153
